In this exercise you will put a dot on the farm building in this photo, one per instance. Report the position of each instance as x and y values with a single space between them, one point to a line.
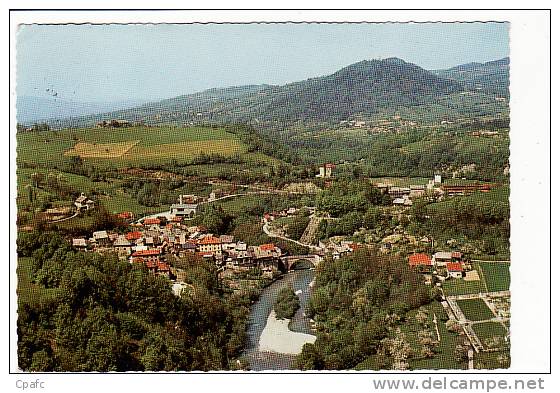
83 202
101 237
454 269
421 262
183 209
440 258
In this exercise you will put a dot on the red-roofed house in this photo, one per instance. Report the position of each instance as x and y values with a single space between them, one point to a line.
267 247
147 253
151 221
126 215
419 259
421 262
454 269
456 255
133 235
210 244
163 268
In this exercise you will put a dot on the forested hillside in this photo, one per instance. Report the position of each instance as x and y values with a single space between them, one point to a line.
88 312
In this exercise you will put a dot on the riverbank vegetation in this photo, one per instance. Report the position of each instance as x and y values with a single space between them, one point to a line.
359 304
287 303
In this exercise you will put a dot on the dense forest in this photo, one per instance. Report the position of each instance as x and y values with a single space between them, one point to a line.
108 315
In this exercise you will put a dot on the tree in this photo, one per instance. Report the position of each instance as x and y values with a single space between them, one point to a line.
309 358
287 303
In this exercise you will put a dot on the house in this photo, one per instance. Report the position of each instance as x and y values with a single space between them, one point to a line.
243 258
292 211
101 237
151 221
126 216
420 262
163 269
454 269
466 189
146 253
266 256
79 243
417 190
399 192
178 288
188 199
227 242
456 256
135 235
189 247
440 258
183 210
83 202
210 244
325 170
405 201
123 246
114 123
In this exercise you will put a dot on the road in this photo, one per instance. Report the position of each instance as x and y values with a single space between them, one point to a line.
267 230
167 214
67 218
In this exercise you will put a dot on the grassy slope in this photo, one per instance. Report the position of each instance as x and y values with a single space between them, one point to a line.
27 291
158 144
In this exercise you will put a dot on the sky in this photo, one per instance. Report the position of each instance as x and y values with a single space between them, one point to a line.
111 63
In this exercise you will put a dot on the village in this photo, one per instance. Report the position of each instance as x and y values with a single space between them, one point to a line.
159 240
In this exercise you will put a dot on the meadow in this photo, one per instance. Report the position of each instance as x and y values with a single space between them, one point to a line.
496 275
121 147
491 334
475 309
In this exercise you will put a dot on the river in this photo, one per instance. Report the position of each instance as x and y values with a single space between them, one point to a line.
260 311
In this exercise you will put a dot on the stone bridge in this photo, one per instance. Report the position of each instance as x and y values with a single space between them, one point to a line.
291 260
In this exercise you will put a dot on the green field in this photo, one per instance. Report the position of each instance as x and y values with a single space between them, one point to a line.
29 292
109 193
106 155
125 146
475 309
401 181
496 275
498 195
492 334
118 147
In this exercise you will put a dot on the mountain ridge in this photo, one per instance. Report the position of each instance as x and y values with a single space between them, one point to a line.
364 88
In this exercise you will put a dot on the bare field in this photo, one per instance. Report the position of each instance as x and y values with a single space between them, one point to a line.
101 150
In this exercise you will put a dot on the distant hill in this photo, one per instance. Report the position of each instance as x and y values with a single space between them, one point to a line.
365 88
33 109
491 77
